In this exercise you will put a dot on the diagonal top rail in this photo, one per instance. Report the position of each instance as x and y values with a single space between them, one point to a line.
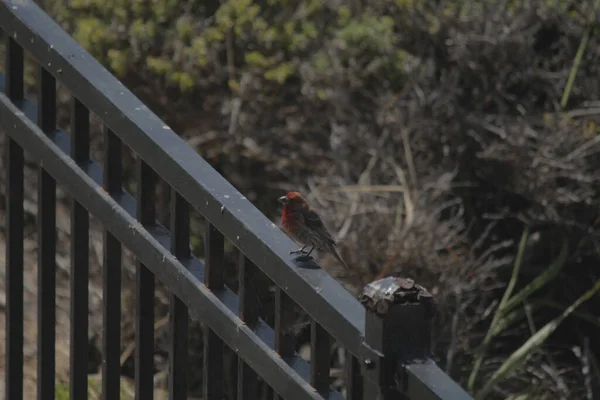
190 175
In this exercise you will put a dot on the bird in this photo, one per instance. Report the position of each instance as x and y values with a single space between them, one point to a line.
304 225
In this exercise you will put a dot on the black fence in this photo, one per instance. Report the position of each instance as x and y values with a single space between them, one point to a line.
387 339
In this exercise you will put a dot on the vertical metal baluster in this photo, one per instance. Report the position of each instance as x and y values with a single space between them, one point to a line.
144 305
80 224
46 247
14 233
213 346
180 247
111 276
249 275
353 378
248 387
267 392
285 340
320 357
15 62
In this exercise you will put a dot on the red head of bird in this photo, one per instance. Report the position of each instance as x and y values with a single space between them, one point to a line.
293 201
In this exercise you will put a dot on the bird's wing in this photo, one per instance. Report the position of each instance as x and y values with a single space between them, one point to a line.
313 221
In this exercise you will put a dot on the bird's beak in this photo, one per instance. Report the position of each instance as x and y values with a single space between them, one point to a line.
282 200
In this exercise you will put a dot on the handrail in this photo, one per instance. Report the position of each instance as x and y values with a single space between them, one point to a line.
323 298
151 246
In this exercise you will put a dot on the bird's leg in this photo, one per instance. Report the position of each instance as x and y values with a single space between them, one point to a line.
298 251
311 250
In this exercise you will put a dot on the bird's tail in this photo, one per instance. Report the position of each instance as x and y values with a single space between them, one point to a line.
334 252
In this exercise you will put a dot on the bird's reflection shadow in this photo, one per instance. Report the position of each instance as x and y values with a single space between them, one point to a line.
305 261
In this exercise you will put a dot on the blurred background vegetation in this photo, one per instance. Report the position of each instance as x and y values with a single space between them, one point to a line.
454 142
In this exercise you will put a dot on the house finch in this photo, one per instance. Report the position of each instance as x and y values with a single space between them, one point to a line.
305 226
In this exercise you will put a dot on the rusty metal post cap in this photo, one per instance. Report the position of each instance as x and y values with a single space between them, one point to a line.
377 296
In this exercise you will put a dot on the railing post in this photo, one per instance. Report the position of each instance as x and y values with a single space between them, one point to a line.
397 332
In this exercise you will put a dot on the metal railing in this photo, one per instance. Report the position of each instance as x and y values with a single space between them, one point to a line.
387 341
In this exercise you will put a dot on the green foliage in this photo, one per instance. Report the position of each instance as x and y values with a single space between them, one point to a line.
505 316
183 79
189 50
61 391
281 72
518 358
257 59
118 60
93 34
368 32
158 65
